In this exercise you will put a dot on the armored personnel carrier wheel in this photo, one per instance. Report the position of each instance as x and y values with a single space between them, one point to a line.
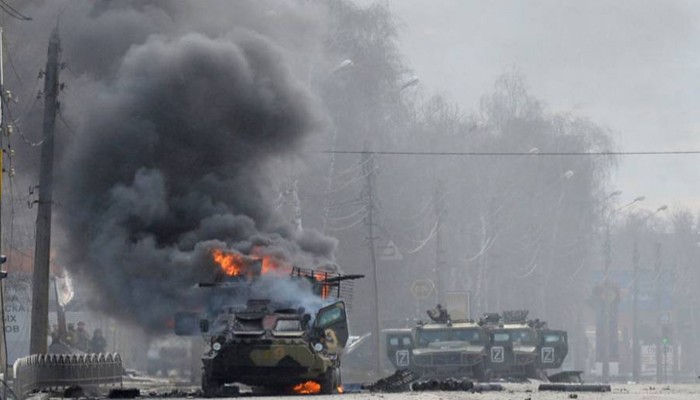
331 381
531 372
479 372
489 376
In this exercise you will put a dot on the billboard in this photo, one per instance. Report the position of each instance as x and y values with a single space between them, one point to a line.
17 312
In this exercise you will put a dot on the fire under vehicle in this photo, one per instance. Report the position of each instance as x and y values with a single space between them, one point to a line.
275 346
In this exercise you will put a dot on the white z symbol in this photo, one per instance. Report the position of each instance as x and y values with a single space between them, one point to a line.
402 359
548 354
497 354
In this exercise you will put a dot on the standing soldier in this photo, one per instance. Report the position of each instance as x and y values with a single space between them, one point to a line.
71 335
55 339
98 342
82 340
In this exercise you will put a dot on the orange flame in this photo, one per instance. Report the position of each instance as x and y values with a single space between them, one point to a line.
309 387
325 289
236 264
232 264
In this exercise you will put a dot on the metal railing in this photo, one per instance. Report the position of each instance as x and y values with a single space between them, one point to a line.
60 371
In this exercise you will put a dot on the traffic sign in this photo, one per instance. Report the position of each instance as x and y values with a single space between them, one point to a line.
422 288
391 252
608 292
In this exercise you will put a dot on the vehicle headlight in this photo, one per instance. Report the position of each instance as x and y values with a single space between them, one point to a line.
318 347
216 346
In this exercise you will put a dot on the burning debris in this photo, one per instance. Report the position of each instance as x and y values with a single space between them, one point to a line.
267 277
309 387
234 264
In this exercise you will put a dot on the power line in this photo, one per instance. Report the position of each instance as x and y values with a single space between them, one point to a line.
12 63
350 225
29 107
66 123
12 12
497 153
16 125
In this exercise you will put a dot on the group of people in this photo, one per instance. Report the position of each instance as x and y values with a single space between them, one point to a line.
80 339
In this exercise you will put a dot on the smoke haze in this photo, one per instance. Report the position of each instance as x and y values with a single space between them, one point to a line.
187 126
186 119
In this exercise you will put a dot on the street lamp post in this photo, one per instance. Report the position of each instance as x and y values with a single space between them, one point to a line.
606 317
607 333
635 306
342 65
412 81
659 345
636 352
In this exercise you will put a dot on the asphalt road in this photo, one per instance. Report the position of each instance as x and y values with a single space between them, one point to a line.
529 391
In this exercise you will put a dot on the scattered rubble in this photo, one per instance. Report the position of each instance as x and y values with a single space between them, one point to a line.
407 380
400 381
121 393
562 387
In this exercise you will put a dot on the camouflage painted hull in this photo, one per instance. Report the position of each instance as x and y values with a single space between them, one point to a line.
269 363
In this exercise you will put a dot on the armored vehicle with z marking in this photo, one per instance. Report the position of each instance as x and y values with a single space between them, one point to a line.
440 349
521 348
270 345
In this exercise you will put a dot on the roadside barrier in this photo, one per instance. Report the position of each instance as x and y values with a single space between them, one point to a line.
60 371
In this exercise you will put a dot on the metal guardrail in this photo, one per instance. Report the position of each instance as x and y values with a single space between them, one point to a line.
60 371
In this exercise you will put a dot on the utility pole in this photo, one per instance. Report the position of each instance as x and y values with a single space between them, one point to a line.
40 281
291 197
368 168
439 272
3 339
494 270
297 206
328 199
659 345
636 367
636 353
606 308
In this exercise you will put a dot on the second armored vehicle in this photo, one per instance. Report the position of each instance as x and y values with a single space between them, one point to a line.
440 349
497 347
521 348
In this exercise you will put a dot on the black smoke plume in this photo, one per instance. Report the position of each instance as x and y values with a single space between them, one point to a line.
175 156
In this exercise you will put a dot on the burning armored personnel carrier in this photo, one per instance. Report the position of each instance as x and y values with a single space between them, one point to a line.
269 344
520 348
440 349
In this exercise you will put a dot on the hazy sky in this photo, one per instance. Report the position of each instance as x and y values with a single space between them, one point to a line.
633 66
